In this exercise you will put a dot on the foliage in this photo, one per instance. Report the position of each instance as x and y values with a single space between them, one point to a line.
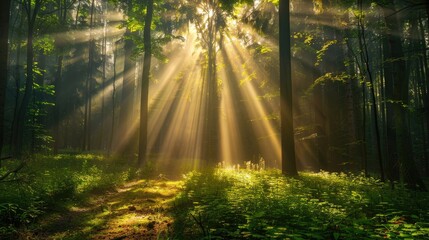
341 78
231 204
50 181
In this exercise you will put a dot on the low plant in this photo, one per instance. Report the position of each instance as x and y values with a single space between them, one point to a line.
48 181
246 204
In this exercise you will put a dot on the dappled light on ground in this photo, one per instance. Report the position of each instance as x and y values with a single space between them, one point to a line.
137 210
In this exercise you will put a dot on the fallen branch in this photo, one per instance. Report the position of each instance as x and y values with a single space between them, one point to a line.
15 171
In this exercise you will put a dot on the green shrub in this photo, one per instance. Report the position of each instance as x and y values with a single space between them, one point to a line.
230 204
47 182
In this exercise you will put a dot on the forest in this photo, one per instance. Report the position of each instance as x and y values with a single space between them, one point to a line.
214 119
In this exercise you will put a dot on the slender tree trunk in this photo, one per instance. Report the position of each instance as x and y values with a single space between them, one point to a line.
145 84
57 111
103 83
76 21
18 128
400 98
89 85
286 104
426 82
127 96
365 60
17 77
4 49
112 128
210 148
62 14
212 127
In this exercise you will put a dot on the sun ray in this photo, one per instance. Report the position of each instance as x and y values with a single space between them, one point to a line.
264 129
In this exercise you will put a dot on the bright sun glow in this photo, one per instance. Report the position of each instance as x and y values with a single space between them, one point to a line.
177 101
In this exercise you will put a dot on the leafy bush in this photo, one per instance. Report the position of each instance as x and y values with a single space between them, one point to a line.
231 204
47 182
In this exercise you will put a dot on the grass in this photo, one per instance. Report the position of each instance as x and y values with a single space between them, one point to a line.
93 197
244 204
50 183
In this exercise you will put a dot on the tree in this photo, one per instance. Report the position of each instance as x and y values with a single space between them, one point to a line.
4 49
31 9
399 94
286 110
210 19
366 69
89 83
62 21
145 83
127 96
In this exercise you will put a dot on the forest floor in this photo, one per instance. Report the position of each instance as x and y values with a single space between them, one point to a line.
90 197
136 210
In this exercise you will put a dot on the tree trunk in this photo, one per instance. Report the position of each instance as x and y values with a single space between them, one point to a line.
400 98
89 85
212 126
17 77
4 49
62 15
145 84
112 128
76 21
365 61
426 82
127 96
57 111
286 110
19 126
103 84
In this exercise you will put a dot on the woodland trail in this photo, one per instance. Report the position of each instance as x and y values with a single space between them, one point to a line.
136 210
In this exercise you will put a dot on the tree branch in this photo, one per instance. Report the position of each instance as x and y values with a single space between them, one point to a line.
16 170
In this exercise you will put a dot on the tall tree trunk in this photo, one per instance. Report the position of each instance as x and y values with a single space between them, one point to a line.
210 148
89 85
426 81
19 126
286 105
127 96
103 83
57 111
17 77
4 49
400 98
365 61
62 15
112 127
212 126
76 21
145 84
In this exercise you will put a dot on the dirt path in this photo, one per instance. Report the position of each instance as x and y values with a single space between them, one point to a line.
137 210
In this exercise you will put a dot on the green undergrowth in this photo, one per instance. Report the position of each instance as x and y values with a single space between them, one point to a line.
231 204
48 183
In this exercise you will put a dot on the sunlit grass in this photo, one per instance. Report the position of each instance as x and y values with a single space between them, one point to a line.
232 204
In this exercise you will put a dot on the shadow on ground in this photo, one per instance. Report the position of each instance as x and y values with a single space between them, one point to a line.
137 210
